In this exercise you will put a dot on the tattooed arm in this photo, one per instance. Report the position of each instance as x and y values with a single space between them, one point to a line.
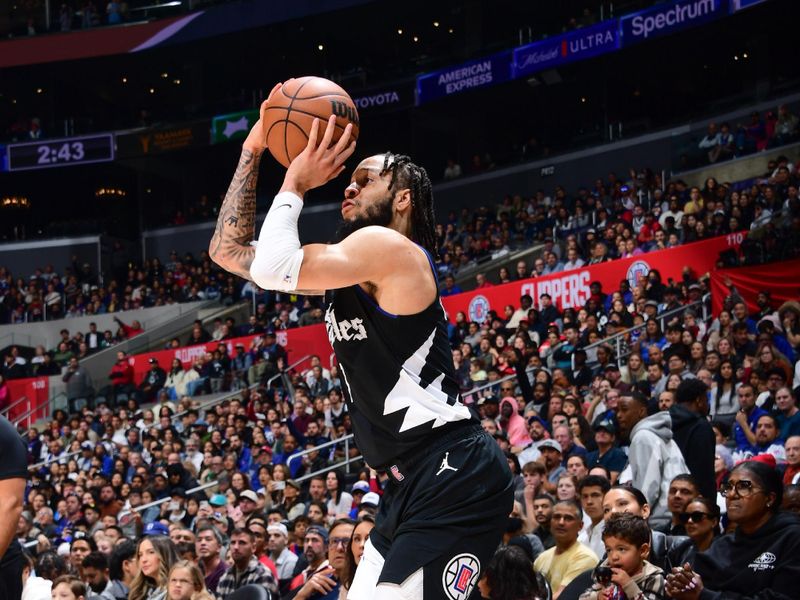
230 245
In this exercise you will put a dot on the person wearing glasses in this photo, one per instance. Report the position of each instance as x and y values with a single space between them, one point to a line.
761 559
326 580
701 520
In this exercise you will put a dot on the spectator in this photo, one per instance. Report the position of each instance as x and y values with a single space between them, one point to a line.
753 497
693 434
155 555
152 383
562 563
186 582
701 519
510 576
246 567
653 457
326 581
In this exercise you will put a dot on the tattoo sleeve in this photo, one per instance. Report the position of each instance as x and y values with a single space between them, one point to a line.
230 245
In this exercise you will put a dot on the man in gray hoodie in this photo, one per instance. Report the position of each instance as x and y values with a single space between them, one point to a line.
654 458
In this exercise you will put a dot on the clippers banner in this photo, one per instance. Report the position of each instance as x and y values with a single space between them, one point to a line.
36 391
298 343
570 289
781 280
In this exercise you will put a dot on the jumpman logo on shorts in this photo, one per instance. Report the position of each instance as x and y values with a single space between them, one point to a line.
445 465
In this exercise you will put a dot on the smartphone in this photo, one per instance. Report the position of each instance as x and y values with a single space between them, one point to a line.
603 575
279 485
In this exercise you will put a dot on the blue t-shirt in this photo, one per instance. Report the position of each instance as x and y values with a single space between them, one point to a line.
742 442
614 460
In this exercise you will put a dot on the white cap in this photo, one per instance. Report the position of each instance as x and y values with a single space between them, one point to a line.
371 498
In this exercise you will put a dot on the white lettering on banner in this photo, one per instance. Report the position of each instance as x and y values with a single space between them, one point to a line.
187 355
644 25
591 41
465 72
377 100
477 81
570 291
534 58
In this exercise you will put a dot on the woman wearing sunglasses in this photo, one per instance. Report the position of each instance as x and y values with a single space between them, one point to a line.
701 520
760 559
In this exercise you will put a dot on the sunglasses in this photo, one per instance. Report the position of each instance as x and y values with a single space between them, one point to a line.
695 516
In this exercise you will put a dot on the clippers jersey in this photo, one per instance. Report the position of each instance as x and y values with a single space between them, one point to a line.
397 374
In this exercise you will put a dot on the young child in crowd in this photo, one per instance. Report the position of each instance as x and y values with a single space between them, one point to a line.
627 541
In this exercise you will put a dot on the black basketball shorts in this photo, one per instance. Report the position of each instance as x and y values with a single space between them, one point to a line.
445 510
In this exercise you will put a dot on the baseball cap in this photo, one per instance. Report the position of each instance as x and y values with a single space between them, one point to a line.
554 445
250 495
178 491
360 486
155 528
218 500
293 483
87 446
371 498
318 530
278 528
153 360
533 418
489 400
606 424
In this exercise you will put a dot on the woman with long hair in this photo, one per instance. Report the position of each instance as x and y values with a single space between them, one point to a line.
634 370
720 328
769 357
724 400
355 549
186 582
340 501
582 433
155 554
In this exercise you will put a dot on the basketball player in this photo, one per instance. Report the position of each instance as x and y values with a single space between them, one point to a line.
450 492
13 478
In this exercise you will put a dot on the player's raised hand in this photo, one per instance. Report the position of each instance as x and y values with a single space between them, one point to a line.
320 162
257 138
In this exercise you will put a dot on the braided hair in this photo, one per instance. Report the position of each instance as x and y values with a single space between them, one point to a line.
406 174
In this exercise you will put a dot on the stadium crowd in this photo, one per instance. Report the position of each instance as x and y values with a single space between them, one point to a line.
670 470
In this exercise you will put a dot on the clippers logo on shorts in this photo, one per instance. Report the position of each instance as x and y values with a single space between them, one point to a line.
460 575
478 309
636 271
764 562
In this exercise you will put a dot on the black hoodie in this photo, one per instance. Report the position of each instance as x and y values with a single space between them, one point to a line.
763 566
695 437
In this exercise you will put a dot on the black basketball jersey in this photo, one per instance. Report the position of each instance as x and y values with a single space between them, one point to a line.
397 374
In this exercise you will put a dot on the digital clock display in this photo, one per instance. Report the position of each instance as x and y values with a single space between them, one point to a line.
64 152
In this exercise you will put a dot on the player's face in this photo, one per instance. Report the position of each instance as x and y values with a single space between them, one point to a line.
367 200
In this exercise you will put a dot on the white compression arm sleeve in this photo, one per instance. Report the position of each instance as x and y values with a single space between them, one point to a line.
279 256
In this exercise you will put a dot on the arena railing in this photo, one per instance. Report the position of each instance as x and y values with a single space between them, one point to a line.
8 408
346 440
616 339
345 463
50 461
189 492
234 393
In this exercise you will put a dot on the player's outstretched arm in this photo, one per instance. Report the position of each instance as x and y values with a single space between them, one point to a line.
230 245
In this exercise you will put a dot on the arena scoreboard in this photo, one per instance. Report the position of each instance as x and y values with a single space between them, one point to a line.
64 152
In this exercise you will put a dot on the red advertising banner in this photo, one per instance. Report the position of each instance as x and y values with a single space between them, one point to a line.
781 279
36 394
298 343
570 289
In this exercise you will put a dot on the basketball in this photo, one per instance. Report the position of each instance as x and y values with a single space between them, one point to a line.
289 114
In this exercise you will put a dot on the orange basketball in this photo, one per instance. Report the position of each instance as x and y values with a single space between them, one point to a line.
289 114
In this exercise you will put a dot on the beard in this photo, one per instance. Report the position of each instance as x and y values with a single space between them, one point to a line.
380 213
